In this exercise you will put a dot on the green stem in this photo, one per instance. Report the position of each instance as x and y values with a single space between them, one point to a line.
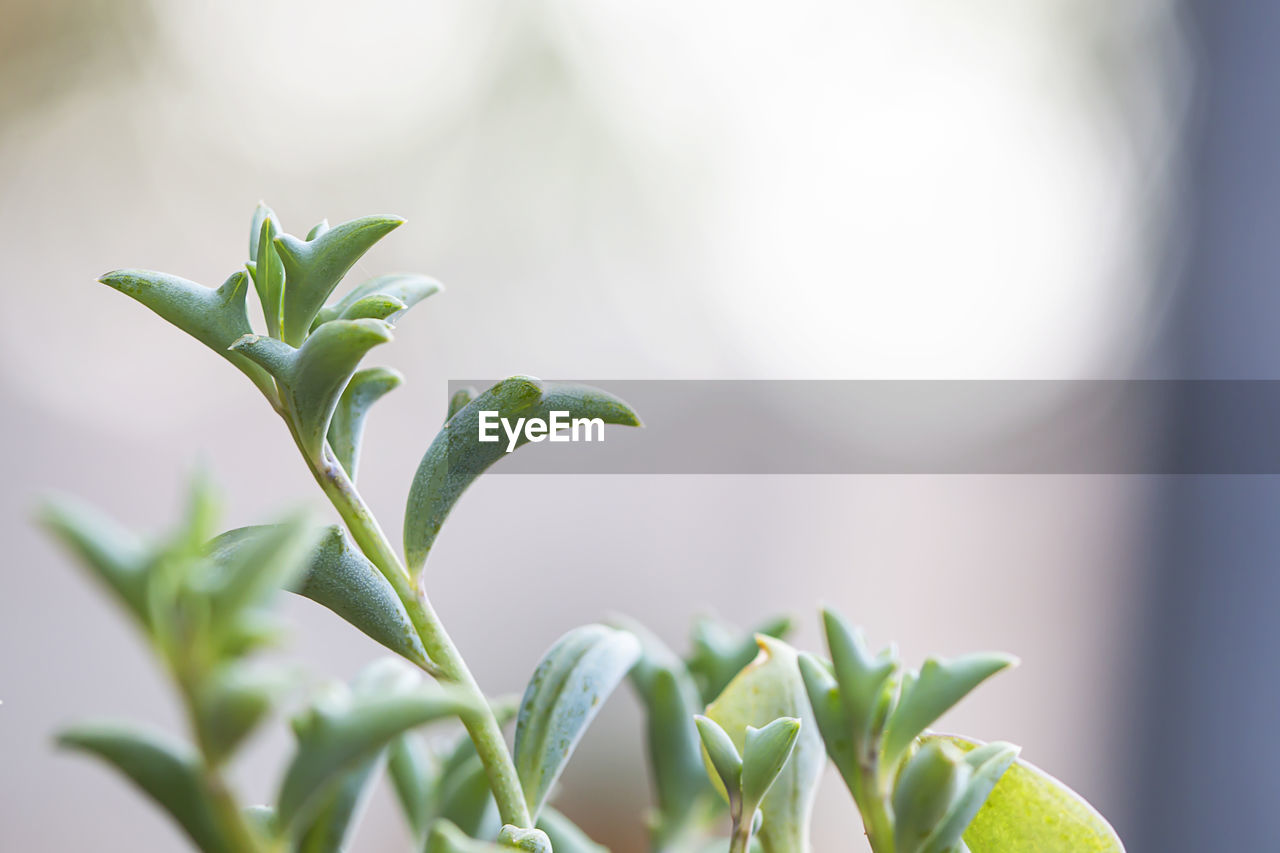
740 841
873 805
481 725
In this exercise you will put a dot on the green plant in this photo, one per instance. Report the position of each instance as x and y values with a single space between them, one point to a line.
740 728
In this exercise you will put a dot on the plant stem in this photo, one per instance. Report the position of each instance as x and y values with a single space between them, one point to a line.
740 841
872 803
481 725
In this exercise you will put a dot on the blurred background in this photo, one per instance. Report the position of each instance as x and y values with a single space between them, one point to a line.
991 189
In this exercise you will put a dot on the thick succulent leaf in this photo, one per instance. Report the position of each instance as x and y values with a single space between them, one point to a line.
828 710
342 579
167 771
722 755
861 675
260 214
930 784
313 268
529 840
267 271
457 457
565 835
940 684
720 651
459 401
398 289
261 565
414 774
329 829
313 377
988 764
764 752
344 730
445 837
114 555
768 688
1030 810
466 800
346 429
216 318
232 703
567 690
318 230
670 700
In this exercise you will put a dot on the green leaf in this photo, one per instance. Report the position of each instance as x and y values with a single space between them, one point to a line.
313 377
332 825
447 838
764 752
384 297
114 555
267 270
931 782
720 651
684 794
342 579
231 703
988 763
564 695
314 267
343 730
768 688
216 318
260 566
166 771
459 401
529 840
318 230
723 755
346 429
940 685
564 834
861 675
1030 810
457 457
465 798
414 774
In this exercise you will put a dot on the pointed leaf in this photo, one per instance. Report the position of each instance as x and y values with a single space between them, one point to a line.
459 401
167 771
314 376
347 427
341 733
216 318
940 684
339 577
861 675
267 272
402 289
764 752
828 709
1030 810
723 756
564 695
329 830
260 214
113 553
318 230
313 268
231 704
768 688
457 457
720 651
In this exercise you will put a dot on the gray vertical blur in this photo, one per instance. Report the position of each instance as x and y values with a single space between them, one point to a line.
1208 772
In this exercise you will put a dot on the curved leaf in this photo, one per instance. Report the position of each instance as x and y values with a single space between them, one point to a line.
940 684
768 688
764 753
346 429
564 695
457 457
342 579
398 289
111 551
314 267
216 318
167 771
720 651
414 774
313 377
723 755
345 730
266 269
328 831
1030 810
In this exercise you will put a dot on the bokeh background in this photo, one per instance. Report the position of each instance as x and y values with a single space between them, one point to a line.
990 189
